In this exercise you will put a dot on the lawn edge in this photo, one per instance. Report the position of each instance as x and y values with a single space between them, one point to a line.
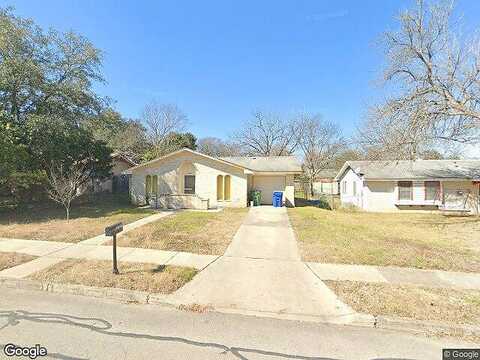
143 297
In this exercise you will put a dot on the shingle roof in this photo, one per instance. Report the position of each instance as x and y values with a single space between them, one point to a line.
419 169
327 174
267 163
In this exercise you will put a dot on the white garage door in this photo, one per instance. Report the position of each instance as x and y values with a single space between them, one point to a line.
267 185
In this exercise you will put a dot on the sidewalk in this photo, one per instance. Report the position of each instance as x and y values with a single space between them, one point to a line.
396 275
50 252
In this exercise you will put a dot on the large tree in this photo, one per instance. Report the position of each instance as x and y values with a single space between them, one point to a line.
320 142
46 96
435 75
46 72
160 121
267 134
217 147
172 142
125 136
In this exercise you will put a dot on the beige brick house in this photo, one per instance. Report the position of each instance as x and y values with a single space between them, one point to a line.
189 179
448 185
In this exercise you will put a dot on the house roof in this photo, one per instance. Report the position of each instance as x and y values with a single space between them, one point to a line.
255 164
120 156
327 174
129 171
267 163
418 169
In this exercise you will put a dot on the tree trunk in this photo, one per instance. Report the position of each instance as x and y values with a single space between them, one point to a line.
67 210
311 188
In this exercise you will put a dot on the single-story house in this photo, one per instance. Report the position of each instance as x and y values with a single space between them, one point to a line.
189 179
117 182
325 182
411 185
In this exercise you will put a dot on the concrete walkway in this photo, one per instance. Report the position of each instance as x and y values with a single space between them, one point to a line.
51 252
261 272
396 275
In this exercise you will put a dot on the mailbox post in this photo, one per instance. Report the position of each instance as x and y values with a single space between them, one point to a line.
113 230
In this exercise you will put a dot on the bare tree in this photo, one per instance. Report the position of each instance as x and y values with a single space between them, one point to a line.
161 120
217 147
64 183
436 76
321 143
267 134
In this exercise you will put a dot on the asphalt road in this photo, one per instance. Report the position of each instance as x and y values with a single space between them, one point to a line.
76 327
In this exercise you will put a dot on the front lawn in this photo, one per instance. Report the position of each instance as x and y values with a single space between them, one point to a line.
133 276
11 259
425 241
191 231
89 217
419 303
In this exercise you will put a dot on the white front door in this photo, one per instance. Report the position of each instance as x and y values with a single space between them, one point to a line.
267 185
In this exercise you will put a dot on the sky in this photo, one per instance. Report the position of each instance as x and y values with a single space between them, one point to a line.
220 60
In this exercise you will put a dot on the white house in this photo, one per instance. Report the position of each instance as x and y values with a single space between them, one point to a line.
411 185
189 179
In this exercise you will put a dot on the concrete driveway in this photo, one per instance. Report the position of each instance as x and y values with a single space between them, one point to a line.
261 273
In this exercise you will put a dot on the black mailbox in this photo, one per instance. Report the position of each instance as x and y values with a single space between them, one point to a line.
113 229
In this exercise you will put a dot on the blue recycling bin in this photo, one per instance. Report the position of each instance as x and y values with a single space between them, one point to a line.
277 199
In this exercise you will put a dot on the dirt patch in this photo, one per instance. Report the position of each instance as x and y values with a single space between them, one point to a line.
133 276
419 303
190 231
424 241
11 259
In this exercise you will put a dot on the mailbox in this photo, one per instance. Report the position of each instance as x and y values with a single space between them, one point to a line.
113 229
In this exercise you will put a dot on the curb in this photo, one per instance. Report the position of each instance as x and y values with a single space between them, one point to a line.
143 297
425 326
122 295
416 326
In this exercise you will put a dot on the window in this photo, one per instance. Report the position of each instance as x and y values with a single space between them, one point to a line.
432 190
405 190
226 188
219 187
354 188
148 185
344 187
189 184
155 184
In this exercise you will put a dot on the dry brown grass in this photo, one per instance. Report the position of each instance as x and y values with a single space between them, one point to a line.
11 259
192 231
419 303
46 221
425 241
133 276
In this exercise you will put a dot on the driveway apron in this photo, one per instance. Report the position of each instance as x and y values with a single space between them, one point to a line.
261 272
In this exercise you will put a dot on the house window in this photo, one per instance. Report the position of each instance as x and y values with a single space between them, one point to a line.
155 184
344 187
226 188
405 190
189 184
354 188
432 190
219 187
148 185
